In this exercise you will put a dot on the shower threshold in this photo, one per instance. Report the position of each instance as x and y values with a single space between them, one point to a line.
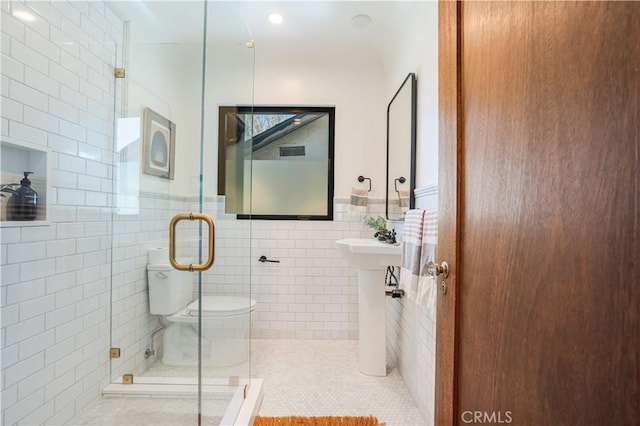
245 398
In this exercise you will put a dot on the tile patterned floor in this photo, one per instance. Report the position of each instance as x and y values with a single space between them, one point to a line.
321 377
302 377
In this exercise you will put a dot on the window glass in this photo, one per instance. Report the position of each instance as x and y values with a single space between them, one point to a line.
276 162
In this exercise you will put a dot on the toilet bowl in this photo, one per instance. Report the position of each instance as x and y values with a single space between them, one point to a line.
225 319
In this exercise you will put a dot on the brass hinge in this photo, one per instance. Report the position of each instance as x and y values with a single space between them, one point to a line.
118 72
127 379
114 353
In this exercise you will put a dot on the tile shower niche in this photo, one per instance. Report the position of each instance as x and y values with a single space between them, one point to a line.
19 157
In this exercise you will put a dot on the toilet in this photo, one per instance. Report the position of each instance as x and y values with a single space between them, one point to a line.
225 319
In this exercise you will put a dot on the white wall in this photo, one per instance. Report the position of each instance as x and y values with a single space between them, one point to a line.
168 79
351 81
58 92
416 50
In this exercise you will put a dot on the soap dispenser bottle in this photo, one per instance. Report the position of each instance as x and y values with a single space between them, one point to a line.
23 204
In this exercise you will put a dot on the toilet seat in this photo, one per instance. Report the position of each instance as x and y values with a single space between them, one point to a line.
222 306
215 307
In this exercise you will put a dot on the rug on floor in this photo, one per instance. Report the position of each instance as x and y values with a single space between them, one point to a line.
317 421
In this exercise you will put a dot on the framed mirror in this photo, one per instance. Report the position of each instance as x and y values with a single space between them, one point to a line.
401 149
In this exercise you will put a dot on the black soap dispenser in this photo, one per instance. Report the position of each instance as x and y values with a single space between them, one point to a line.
23 204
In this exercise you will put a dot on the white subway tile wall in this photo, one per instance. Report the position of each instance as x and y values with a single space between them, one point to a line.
57 92
132 325
312 293
411 347
411 336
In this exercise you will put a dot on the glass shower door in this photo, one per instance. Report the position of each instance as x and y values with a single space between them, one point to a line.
225 289
180 334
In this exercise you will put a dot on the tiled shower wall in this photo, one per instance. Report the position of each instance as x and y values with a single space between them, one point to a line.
58 93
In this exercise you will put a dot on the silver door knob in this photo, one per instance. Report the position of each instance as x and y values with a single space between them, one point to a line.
433 269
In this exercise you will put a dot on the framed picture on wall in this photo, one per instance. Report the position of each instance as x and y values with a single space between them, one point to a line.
158 144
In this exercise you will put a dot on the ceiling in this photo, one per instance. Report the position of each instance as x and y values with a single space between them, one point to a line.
308 23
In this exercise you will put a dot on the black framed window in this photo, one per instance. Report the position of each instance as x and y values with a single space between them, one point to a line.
277 162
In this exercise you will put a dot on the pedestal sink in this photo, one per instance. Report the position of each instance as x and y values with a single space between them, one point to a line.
371 258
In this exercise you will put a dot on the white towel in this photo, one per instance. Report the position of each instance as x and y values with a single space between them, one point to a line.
411 252
427 285
359 201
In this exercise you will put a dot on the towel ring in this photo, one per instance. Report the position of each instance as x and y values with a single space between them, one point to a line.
395 182
362 179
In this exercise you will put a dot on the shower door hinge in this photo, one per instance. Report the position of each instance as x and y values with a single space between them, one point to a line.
127 379
114 353
118 72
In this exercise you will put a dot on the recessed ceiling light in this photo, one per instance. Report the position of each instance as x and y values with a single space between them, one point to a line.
361 21
276 18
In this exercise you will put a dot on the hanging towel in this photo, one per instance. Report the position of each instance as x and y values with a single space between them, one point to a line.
411 252
359 201
427 285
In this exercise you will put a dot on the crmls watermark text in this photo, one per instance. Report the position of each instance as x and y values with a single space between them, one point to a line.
480 417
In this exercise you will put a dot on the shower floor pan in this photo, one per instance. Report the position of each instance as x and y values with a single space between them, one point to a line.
239 410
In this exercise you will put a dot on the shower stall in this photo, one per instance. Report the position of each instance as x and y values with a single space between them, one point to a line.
178 61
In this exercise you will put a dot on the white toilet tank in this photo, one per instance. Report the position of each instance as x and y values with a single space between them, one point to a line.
169 290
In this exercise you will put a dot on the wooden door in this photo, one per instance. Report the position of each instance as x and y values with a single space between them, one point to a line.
540 184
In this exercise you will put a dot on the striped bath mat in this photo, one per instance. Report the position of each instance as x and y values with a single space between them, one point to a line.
317 421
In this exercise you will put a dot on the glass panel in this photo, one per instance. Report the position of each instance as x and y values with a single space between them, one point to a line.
227 285
159 103
177 327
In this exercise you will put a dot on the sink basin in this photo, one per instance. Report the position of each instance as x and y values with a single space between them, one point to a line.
368 253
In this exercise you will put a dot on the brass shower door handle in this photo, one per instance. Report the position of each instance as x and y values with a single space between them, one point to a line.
172 241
